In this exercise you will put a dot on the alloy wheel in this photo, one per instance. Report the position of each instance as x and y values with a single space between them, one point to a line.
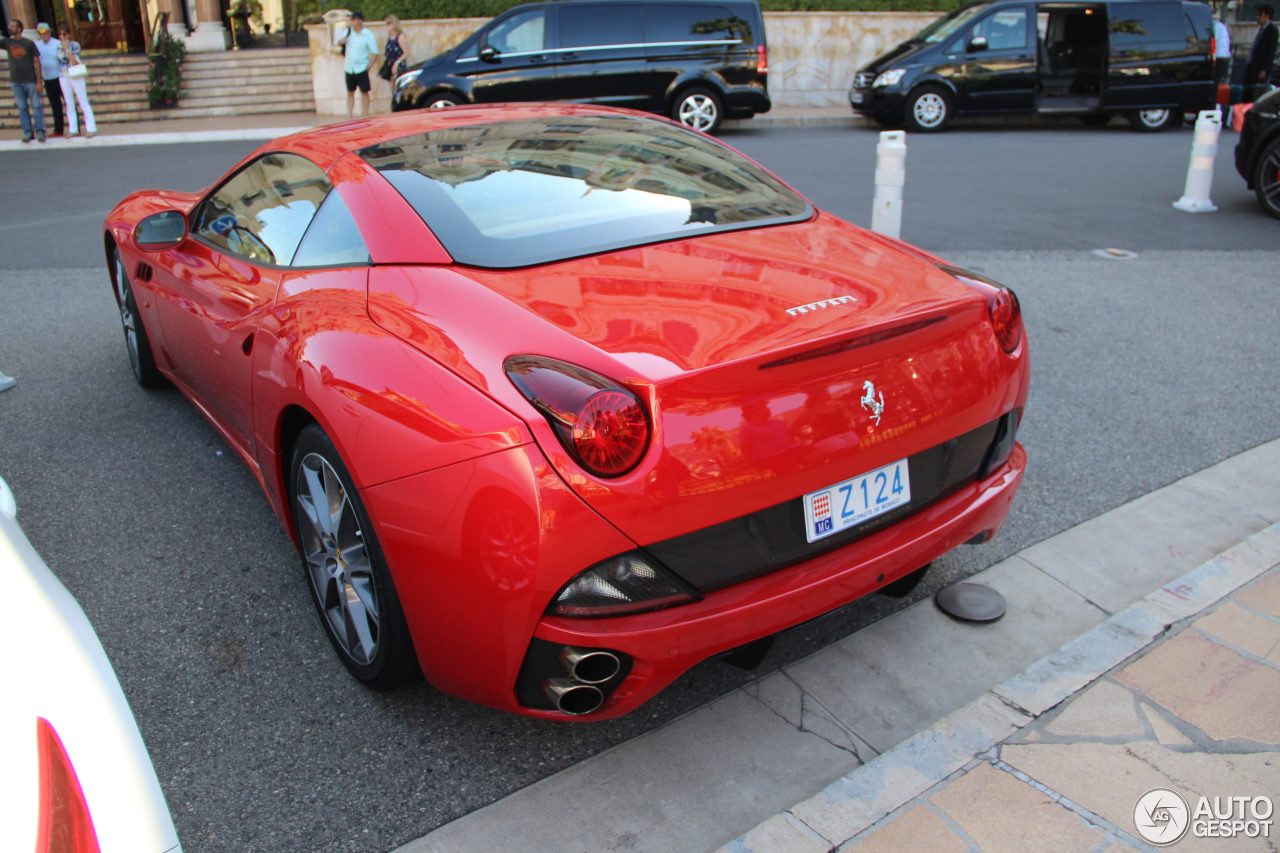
124 297
1153 119
698 111
1267 184
930 110
337 559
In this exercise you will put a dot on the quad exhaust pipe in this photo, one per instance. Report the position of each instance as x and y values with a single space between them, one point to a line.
589 667
579 693
572 697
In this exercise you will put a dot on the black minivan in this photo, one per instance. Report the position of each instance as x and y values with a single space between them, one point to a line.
1151 60
698 61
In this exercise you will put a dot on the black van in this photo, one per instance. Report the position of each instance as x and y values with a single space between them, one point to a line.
697 61
1151 60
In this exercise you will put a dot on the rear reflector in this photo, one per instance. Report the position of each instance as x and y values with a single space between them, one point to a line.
762 59
64 824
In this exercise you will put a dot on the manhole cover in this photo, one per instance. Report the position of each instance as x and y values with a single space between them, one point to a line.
970 602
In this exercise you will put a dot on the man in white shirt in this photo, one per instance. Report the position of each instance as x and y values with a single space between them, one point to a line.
358 48
1221 51
47 47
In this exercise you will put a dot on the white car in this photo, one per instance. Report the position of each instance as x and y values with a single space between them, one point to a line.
74 772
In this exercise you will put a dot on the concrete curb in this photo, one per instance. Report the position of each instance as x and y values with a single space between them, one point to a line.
854 803
161 138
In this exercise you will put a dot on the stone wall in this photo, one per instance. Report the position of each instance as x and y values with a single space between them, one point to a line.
812 55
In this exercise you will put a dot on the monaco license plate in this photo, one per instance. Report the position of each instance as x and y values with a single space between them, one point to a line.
855 97
835 508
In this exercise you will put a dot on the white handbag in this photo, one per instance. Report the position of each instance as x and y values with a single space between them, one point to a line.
78 70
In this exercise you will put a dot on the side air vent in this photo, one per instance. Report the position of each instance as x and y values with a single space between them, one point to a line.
143 272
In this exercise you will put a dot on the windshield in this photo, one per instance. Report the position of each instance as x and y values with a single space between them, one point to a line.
523 192
944 28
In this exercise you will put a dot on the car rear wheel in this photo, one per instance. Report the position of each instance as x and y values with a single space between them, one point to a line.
1266 179
928 109
699 109
1152 120
141 360
441 101
349 581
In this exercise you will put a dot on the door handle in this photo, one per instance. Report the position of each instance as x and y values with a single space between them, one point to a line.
541 57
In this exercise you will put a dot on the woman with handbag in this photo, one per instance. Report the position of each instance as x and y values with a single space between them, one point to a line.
73 77
393 60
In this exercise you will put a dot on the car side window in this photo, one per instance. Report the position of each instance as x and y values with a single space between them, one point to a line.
264 209
600 26
332 239
521 33
1144 25
1005 30
672 23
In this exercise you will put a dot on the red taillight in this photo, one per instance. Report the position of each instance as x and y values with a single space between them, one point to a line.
603 425
64 824
1002 307
762 59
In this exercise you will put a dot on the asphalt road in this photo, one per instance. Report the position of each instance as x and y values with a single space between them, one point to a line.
1144 370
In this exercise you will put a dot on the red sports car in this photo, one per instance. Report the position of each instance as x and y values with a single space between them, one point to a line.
558 401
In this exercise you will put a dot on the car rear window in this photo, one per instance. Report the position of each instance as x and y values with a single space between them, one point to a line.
530 191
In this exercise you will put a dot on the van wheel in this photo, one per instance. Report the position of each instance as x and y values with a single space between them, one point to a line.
1266 179
1151 121
440 101
1096 119
699 109
928 109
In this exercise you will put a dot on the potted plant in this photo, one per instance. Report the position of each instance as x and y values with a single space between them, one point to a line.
166 70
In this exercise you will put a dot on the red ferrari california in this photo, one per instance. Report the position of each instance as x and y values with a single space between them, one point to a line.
557 401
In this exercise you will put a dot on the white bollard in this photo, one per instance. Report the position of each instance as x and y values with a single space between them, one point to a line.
891 175
1204 148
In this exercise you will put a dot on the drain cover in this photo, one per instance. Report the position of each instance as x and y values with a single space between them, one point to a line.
970 602
1115 254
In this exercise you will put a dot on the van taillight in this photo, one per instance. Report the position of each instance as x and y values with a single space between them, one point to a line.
762 59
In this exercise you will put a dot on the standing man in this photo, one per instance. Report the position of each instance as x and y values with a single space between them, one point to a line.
24 75
1257 74
1221 50
50 71
359 48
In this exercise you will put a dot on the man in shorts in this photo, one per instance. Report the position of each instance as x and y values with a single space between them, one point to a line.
359 49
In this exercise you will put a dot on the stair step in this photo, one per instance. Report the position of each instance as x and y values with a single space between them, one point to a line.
259 84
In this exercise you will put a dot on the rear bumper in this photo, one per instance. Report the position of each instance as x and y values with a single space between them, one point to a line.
665 644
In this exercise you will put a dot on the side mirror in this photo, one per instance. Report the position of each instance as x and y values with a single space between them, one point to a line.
488 54
977 44
162 230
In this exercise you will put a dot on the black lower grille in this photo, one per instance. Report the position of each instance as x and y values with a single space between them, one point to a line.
744 548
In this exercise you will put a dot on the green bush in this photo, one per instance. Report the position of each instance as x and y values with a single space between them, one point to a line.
165 75
412 10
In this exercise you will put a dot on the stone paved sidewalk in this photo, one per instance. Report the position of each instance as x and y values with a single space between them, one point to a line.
1197 712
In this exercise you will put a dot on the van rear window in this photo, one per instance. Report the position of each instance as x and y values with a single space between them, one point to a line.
512 194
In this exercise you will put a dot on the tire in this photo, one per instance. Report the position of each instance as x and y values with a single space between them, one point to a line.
1096 119
699 109
350 585
1266 178
1153 121
440 101
929 109
141 360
